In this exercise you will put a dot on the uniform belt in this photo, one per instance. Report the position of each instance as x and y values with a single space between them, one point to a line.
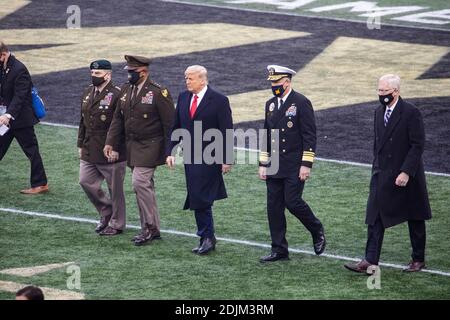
90 131
136 136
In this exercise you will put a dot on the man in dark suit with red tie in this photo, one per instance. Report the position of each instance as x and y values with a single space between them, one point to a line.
398 190
200 109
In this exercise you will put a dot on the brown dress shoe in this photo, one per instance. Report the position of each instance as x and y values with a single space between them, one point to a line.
36 190
360 267
110 231
414 266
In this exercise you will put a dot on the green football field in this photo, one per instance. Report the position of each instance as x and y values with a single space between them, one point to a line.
113 268
307 8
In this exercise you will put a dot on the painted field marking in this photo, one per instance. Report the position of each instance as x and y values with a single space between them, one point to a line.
229 240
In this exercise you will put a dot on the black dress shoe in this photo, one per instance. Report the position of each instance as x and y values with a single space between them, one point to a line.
208 245
274 257
109 231
139 235
157 236
147 238
195 250
102 224
319 242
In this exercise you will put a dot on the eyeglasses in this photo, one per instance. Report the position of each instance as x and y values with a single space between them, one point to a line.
383 91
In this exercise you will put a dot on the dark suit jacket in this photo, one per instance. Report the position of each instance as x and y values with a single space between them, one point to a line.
204 181
16 94
398 147
296 142
95 120
145 123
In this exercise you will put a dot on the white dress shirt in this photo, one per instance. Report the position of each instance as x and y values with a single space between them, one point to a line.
284 98
200 96
391 109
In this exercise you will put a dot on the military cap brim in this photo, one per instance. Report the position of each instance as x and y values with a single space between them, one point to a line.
278 72
134 62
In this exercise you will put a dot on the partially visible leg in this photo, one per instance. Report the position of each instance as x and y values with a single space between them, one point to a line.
375 235
5 142
205 230
205 222
91 181
144 187
293 190
29 144
114 175
275 215
417 234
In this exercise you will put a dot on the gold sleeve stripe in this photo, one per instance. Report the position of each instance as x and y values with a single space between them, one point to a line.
264 157
308 158
309 153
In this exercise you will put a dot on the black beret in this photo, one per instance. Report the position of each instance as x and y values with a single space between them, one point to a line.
101 65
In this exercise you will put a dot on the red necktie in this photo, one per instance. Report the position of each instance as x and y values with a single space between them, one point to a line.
194 106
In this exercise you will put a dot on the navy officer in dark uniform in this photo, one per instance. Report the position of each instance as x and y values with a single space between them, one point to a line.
286 159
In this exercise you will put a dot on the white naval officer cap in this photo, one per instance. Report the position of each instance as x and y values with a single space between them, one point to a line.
278 72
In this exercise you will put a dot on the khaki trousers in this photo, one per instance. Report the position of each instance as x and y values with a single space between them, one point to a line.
144 187
91 179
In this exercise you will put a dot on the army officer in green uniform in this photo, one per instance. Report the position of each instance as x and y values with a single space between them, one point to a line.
144 117
98 103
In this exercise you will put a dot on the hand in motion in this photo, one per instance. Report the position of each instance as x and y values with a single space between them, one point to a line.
170 161
4 120
402 180
262 173
304 174
226 168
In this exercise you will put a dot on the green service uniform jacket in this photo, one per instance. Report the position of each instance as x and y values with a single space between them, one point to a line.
145 122
96 118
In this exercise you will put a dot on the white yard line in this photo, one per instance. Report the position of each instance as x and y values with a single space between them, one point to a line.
358 164
230 240
300 15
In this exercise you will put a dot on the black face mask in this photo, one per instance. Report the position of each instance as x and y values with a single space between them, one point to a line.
278 90
386 99
133 76
97 81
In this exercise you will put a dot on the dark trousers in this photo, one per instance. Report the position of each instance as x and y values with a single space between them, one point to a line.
375 235
29 144
205 223
285 193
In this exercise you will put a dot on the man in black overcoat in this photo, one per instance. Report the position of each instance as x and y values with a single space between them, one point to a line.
398 190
